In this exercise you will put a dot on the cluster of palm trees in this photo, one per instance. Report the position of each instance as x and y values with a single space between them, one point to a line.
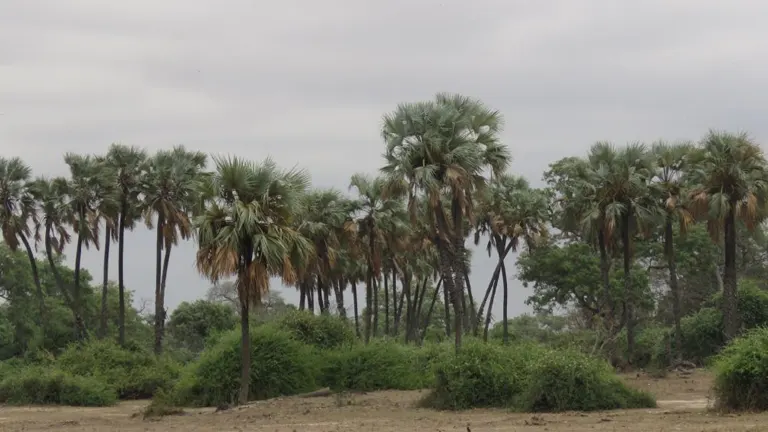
102 197
615 195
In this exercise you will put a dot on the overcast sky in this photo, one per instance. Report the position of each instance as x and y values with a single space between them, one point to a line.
307 82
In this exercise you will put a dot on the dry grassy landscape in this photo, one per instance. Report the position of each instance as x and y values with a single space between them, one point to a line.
682 407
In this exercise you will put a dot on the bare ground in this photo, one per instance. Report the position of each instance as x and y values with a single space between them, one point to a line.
683 402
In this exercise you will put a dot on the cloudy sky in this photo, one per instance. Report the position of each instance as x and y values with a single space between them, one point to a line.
307 82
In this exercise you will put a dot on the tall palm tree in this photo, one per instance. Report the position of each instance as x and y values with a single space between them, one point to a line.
90 184
371 206
669 189
729 182
325 222
170 191
51 227
108 212
510 212
246 231
441 149
128 165
17 211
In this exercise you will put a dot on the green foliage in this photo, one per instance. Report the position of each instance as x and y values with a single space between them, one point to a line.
280 365
133 374
480 375
321 331
381 365
46 386
572 381
741 373
529 378
191 324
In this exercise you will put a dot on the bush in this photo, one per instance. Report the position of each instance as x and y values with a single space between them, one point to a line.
46 386
480 375
380 365
702 335
133 374
741 373
322 331
572 381
280 366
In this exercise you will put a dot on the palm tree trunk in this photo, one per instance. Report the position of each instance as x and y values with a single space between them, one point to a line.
63 290
395 317
38 286
368 307
448 260
339 292
605 269
354 301
320 297
472 313
245 333
428 318
105 283
158 281
669 250
730 309
77 297
302 297
502 249
310 297
386 303
628 294
495 283
505 304
120 273
447 311
375 285
163 279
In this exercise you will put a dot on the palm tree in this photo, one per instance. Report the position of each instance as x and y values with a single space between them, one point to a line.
108 212
510 212
246 231
668 185
380 222
18 210
52 197
324 222
89 186
170 190
729 182
128 167
440 149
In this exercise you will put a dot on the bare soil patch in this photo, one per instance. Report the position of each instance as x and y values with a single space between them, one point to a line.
682 407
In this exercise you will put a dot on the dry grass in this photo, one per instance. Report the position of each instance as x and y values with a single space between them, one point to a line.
682 407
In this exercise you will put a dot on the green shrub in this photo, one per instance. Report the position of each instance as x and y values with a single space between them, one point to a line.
322 331
572 381
741 373
702 334
480 375
280 365
380 365
46 386
132 373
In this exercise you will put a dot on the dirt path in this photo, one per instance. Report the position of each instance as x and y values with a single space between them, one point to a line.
682 407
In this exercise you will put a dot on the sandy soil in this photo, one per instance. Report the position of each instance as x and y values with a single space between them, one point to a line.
683 404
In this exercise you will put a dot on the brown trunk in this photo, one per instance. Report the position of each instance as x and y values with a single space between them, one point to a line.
730 308
158 345
605 269
495 284
669 250
302 297
505 303
375 311
386 303
105 283
245 355
339 293
629 299
354 305
77 298
368 307
425 326
36 277
120 273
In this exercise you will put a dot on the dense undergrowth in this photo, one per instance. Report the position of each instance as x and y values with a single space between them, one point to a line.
741 373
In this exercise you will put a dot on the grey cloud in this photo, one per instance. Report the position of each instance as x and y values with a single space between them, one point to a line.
307 82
